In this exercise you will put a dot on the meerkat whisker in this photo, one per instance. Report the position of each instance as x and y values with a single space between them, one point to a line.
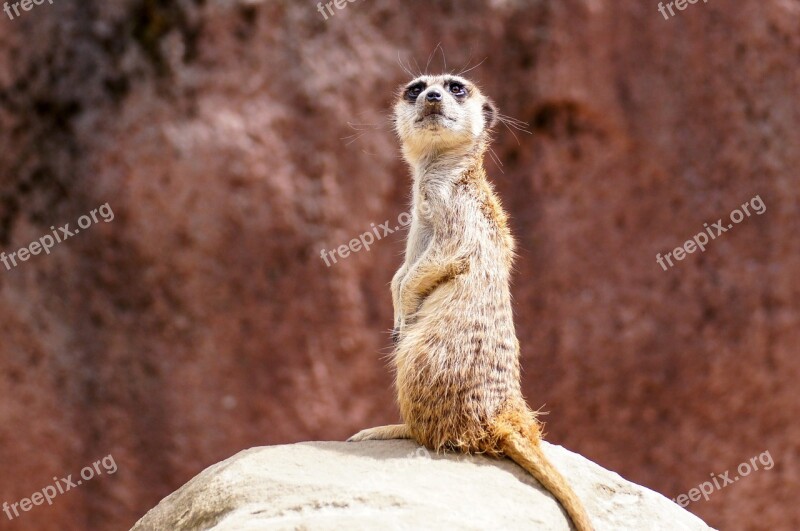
510 131
362 127
519 125
421 73
469 60
357 137
496 160
510 122
400 61
473 68
430 57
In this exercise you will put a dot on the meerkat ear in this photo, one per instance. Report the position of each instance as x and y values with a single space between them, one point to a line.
489 113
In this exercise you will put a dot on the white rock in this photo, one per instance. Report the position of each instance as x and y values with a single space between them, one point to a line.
397 485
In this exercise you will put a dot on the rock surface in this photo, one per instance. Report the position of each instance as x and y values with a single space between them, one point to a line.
398 485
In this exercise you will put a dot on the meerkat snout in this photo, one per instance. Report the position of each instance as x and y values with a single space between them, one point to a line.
434 96
441 113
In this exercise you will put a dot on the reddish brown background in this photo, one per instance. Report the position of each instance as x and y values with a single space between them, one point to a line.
202 320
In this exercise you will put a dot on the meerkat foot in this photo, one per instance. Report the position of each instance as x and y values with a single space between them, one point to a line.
382 433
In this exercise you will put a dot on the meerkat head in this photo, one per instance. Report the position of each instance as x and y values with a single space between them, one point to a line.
440 114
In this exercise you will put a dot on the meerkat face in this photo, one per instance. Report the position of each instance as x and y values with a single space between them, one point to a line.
441 113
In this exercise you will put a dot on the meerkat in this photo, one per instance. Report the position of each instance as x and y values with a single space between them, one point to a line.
456 353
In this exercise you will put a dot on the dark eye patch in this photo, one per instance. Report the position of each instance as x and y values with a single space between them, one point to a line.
413 91
457 89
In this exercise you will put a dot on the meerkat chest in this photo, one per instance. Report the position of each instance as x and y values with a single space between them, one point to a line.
420 234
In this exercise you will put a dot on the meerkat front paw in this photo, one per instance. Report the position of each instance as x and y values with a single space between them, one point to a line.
399 322
400 327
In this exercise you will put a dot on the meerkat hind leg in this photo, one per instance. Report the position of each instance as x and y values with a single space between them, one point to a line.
382 433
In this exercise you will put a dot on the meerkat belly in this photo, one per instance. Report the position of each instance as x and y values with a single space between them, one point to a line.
457 363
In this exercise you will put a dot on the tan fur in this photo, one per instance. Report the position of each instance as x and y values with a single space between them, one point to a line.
457 354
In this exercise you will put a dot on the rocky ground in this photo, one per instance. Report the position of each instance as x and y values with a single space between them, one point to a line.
398 485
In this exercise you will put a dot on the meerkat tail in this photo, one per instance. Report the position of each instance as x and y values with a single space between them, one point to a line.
531 457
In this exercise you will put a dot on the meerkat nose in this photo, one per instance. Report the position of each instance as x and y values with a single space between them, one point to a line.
434 96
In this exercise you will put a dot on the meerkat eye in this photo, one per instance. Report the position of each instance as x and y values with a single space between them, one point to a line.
414 91
457 89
